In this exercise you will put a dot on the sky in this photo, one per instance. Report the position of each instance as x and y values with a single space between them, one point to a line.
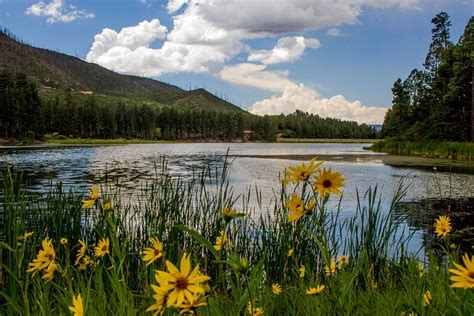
335 58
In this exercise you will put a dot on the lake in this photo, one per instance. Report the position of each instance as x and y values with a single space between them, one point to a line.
250 165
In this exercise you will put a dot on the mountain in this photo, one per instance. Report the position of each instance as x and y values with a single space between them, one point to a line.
55 71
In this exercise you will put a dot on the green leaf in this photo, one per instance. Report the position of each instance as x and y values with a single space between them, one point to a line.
199 238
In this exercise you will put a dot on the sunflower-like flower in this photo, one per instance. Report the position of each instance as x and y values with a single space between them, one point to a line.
102 248
290 252
342 260
302 271
276 288
108 206
297 207
85 262
328 182
188 307
421 270
25 236
302 172
160 300
463 277
81 252
45 260
63 241
220 240
315 290
182 284
77 307
93 197
427 298
442 226
153 253
330 268
254 311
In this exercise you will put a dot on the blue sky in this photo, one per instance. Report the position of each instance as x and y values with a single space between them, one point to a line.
267 56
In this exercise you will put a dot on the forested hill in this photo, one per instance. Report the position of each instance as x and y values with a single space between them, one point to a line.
55 70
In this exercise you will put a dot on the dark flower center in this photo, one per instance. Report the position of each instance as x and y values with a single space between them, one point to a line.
327 183
470 274
157 252
182 283
104 248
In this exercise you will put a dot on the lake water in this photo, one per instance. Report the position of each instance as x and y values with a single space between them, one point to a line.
130 166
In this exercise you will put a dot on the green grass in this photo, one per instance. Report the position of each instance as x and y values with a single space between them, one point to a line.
326 140
381 278
429 149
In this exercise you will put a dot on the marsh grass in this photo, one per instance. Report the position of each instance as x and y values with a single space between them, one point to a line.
381 277
463 151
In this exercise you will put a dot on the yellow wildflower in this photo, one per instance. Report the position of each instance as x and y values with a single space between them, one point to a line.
77 308
301 172
442 226
328 182
220 241
254 311
154 253
290 252
108 206
102 248
81 252
63 241
463 276
330 268
297 208
315 290
160 295
342 260
25 236
427 298
93 197
188 307
421 269
45 260
302 271
276 288
181 285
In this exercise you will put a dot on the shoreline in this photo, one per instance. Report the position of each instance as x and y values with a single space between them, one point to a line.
119 141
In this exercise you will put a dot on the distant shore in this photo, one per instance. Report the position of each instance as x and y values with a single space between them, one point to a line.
123 141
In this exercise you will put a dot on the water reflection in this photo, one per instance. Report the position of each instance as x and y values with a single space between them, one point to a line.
129 167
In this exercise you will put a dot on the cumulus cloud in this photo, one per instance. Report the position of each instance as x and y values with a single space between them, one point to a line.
288 49
300 97
129 51
255 75
175 5
57 11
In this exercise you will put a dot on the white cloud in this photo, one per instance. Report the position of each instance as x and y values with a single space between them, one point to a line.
288 49
175 5
57 11
206 34
334 31
300 97
256 76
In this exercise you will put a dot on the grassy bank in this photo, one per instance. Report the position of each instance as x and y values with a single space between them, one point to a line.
428 149
326 140
292 256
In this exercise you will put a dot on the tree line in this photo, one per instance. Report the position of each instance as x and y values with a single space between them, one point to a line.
25 115
436 102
